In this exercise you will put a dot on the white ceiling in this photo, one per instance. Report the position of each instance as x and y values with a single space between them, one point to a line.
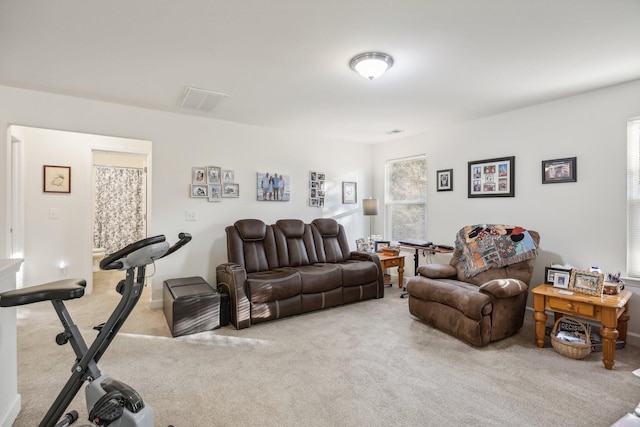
285 63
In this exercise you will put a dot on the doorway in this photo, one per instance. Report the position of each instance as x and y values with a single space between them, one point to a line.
55 230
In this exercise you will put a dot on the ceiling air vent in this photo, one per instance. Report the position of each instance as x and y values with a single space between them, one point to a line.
201 100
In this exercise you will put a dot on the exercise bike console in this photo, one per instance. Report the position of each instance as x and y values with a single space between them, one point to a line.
109 402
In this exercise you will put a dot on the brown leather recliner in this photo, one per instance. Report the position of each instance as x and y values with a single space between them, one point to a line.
480 309
290 268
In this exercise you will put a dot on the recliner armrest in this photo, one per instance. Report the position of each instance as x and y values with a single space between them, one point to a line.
438 271
232 278
504 288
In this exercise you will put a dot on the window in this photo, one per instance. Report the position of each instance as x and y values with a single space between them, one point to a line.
633 197
406 198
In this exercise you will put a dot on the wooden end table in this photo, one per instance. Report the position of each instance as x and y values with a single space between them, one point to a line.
388 261
612 311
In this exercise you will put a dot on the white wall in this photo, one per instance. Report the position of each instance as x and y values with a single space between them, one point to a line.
179 143
581 223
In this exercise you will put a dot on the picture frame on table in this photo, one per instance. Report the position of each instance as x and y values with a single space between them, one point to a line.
444 180
492 177
56 179
550 272
561 279
378 245
349 193
560 170
586 282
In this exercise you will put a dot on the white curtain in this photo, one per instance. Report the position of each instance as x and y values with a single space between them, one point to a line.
119 207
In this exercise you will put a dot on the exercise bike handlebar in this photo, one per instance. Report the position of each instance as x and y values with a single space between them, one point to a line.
142 252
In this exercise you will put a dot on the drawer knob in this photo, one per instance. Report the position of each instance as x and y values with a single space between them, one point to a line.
570 306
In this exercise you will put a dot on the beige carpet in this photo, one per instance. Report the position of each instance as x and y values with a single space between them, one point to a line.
364 364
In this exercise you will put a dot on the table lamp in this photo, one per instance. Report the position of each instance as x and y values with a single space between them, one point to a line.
370 208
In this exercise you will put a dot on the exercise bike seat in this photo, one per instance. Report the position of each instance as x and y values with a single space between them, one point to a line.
58 290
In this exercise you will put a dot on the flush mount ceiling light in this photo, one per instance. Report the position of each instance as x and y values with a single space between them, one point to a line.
371 65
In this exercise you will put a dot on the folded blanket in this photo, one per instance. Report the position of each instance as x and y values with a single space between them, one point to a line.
486 246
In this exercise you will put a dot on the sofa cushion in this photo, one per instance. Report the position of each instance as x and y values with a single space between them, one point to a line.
318 277
463 297
273 285
330 239
251 230
355 273
294 242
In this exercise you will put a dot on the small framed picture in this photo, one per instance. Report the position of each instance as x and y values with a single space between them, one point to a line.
561 279
381 244
198 176
586 282
213 174
550 272
56 179
199 191
559 170
230 190
215 192
227 176
349 193
444 178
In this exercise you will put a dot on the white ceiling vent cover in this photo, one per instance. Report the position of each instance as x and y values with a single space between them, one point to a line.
201 100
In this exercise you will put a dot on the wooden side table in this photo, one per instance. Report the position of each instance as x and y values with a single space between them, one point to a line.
388 261
612 311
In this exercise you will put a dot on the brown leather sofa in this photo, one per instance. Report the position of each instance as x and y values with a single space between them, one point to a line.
289 268
479 309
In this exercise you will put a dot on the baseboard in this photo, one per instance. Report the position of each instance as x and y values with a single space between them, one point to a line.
9 418
156 304
632 337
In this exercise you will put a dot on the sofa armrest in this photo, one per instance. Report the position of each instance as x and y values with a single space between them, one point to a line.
504 288
438 271
372 257
231 278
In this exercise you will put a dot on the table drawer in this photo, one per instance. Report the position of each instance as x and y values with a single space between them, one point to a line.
391 262
565 306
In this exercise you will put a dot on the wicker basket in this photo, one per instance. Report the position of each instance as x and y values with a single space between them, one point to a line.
573 350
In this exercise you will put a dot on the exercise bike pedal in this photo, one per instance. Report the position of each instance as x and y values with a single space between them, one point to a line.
120 286
108 409
99 327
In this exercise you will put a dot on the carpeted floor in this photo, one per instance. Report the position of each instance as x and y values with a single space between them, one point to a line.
364 364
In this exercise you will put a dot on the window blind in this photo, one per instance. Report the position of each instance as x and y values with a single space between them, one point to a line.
406 198
633 197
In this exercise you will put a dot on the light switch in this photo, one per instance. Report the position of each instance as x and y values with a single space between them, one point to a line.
53 213
192 215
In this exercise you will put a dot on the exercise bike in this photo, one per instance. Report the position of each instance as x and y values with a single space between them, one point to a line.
109 401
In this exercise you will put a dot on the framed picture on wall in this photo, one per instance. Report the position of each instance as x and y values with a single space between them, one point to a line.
213 174
492 177
349 193
560 170
198 176
56 179
199 191
444 179
230 190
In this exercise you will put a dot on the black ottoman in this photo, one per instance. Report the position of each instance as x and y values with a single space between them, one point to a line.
190 305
